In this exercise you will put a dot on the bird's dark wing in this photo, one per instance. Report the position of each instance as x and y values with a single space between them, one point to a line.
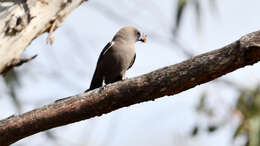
133 60
97 78
105 49
108 46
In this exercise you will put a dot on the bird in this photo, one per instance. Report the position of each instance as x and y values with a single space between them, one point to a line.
116 57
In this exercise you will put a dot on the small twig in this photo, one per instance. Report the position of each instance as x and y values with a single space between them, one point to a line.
43 2
17 62
54 25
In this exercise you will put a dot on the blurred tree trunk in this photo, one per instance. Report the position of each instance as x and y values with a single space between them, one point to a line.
21 21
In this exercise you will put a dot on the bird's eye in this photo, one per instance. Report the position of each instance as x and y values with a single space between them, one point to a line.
138 33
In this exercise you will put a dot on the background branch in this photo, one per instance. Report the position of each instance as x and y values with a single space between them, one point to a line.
166 81
21 21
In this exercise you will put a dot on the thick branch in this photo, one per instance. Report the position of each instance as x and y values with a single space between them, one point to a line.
23 20
166 81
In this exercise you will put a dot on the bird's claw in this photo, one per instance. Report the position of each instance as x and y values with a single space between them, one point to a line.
124 78
102 88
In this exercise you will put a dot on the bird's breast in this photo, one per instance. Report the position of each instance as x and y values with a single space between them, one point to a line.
119 59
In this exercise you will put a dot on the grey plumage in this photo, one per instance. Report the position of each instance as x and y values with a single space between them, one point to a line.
116 57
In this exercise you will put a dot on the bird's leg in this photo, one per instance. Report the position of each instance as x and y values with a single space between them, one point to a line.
102 88
124 77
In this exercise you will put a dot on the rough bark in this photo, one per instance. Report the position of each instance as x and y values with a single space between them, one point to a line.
162 82
23 20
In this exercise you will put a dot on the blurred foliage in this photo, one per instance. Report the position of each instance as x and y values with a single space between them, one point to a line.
196 5
181 4
50 135
12 82
202 106
203 110
195 131
202 103
212 128
249 106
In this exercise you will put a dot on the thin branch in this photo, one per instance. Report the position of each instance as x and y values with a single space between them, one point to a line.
17 62
167 81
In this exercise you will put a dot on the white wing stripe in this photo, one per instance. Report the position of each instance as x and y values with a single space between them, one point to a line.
112 43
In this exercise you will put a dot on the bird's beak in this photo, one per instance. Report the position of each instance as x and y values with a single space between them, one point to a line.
142 38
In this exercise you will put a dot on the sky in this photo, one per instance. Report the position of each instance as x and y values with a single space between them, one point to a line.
66 67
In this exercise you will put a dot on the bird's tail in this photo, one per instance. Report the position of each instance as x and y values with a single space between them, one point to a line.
96 81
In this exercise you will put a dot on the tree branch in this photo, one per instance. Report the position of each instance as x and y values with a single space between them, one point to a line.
162 82
21 21
17 62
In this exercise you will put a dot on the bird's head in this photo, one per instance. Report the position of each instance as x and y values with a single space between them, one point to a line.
130 34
